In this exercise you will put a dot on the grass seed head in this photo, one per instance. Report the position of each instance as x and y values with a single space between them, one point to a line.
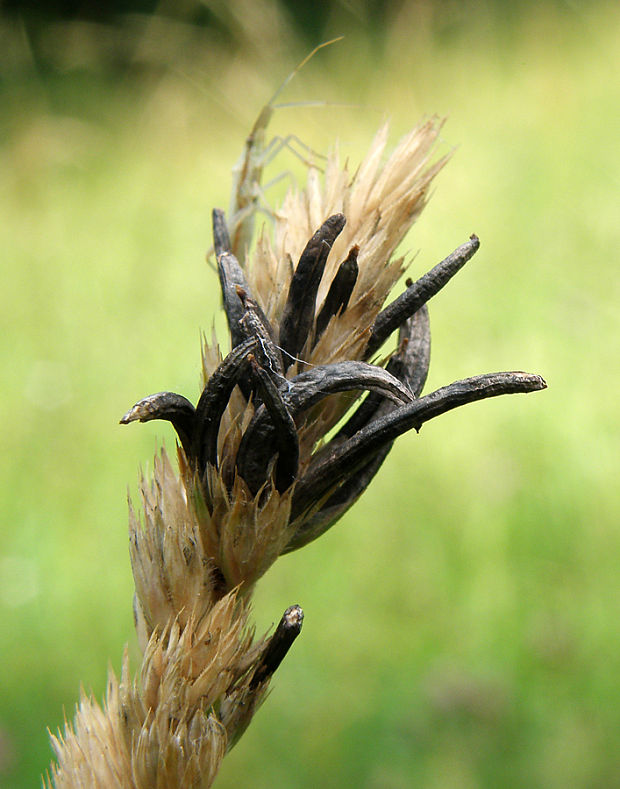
262 471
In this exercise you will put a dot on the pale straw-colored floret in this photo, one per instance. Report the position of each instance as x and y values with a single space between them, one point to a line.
163 731
381 201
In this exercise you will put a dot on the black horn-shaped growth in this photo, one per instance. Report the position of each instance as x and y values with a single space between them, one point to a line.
326 472
339 292
171 407
409 302
298 315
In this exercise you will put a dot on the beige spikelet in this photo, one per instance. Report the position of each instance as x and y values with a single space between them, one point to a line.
260 472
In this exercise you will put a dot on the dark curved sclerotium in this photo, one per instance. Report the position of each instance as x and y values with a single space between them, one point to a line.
310 387
172 408
413 358
410 365
231 278
409 302
302 392
221 239
298 315
324 473
339 292
339 502
286 441
255 324
278 645
214 399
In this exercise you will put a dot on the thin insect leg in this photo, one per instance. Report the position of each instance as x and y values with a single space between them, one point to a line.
250 191
279 143
311 154
253 204
264 207
276 145
280 177
252 196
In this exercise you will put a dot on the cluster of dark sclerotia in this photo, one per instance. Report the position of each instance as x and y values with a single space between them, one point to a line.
268 453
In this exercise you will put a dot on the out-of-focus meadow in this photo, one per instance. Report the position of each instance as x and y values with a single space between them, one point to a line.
463 620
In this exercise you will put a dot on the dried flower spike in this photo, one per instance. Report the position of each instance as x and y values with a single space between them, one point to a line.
262 469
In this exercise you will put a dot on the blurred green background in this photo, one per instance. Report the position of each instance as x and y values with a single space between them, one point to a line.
463 620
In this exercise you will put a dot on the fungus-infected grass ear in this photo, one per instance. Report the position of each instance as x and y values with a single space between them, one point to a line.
265 469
